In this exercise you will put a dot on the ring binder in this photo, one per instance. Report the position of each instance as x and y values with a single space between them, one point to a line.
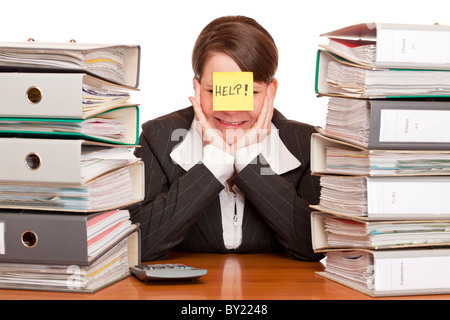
29 239
117 63
76 237
33 161
34 95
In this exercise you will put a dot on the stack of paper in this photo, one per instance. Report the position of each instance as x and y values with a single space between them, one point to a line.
390 124
385 60
339 230
69 104
391 272
116 63
333 156
349 81
97 250
67 135
118 126
355 266
102 229
384 163
363 52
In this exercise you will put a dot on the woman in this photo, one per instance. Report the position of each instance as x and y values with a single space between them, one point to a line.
219 181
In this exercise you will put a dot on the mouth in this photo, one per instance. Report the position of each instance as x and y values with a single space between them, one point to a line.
231 124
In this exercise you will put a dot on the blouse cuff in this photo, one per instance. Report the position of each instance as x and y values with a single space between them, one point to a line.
220 163
246 155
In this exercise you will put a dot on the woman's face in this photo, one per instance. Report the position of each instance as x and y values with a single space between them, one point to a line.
232 124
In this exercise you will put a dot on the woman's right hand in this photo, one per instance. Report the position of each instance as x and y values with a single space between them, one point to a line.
209 134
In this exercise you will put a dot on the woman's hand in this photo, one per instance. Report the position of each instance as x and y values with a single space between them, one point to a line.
261 128
209 134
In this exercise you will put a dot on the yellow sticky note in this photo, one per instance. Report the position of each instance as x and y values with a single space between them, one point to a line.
232 91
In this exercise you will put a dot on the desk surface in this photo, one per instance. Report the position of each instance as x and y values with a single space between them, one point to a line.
230 277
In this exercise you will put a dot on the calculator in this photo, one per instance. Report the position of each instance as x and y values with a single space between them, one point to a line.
167 272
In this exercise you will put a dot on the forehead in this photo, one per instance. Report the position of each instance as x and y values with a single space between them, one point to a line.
219 62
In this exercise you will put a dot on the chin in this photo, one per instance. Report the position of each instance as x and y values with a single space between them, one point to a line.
231 136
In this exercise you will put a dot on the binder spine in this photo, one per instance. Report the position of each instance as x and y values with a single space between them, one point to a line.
40 161
394 131
41 95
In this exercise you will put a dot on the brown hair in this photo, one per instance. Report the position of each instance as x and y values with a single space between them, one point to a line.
244 40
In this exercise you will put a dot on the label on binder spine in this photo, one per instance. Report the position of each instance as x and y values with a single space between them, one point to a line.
415 126
412 273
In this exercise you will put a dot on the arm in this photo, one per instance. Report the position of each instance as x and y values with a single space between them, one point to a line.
167 212
283 205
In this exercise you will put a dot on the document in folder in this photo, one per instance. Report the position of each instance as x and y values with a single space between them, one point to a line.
110 266
116 126
63 162
52 238
115 189
389 124
58 95
390 272
338 77
346 231
386 197
333 156
116 63
385 45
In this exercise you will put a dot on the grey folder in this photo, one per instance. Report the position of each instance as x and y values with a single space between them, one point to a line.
396 124
47 238
434 137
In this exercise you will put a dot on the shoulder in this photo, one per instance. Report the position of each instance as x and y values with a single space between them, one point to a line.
292 126
295 135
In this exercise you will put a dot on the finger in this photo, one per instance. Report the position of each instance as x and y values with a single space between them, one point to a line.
197 109
270 107
262 115
261 122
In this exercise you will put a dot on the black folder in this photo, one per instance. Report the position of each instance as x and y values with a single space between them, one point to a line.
49 238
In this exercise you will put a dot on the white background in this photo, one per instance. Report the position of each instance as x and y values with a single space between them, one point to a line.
167 30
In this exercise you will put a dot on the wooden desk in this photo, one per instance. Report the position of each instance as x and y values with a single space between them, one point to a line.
230 277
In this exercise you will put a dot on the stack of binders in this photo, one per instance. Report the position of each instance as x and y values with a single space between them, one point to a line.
67 135
384 159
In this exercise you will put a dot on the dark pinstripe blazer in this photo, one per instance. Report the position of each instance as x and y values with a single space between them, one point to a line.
181 210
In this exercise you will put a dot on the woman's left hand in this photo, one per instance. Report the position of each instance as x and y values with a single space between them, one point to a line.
261 128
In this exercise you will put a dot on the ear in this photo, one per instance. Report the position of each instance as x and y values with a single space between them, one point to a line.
197 87
275 87
195 83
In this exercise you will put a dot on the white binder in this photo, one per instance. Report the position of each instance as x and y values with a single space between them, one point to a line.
52 95
100 60
386 197
51 161
408 46
363 161
395 272
116 126
112 190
